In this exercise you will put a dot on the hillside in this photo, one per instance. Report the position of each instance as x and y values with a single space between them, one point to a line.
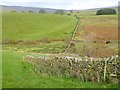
48 10
26 9
34 46
18 26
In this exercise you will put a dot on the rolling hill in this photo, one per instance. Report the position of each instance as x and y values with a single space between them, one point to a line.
26 9
20 26
48 10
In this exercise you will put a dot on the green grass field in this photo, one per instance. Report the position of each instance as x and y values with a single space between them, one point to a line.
56 31
19 26
17 74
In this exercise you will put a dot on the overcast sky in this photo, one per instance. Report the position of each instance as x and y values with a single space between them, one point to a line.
61 4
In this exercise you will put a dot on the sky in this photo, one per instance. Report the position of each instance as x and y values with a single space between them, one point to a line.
62 4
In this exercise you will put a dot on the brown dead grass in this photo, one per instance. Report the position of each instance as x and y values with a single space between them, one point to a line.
102 31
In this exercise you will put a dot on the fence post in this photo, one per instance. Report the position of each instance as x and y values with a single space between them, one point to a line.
98 77
105 70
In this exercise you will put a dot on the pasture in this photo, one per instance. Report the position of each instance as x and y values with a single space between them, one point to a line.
26 33
20 26
97 36
47 33
98 28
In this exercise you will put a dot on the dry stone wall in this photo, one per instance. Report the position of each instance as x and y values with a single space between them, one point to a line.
84 68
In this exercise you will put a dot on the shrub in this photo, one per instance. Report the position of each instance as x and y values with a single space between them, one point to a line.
106 11
61 12
13 11
42 11
71 11
23 11
30 11
68 14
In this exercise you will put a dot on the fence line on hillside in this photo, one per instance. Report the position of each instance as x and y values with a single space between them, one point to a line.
73 35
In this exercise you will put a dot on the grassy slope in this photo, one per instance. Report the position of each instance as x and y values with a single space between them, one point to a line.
16 75
91 19
94 27
19 26
14 72
102 26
